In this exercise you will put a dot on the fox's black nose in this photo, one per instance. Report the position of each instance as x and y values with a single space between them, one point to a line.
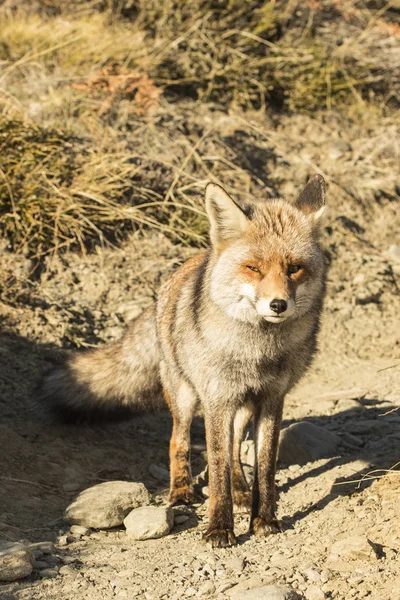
278 306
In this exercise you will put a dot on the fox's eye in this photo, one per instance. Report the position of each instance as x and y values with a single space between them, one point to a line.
254 269
293 269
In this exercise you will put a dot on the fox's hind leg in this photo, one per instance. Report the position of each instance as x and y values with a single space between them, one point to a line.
241 493
182 406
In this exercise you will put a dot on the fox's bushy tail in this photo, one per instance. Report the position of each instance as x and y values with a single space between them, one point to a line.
118 378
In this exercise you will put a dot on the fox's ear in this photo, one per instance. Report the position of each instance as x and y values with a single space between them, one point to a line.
227 219
312 199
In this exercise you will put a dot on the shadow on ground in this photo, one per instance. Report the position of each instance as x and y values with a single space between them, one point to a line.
44 465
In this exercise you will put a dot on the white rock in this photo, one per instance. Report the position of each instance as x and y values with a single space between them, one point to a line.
149 522
356 547
314 593
16 561
106 504
206 589
247 452
268 592
79 530
234 564
304 442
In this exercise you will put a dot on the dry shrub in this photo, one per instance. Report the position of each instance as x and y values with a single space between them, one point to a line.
115 82
71 178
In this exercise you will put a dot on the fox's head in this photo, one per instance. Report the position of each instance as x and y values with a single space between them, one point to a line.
268 261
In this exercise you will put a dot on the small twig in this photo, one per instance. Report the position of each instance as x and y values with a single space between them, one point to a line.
25 481
386 368
390 411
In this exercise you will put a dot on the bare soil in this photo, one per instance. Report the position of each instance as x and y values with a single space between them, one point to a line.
78 301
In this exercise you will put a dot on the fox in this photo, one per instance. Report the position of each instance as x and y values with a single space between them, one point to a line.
231 332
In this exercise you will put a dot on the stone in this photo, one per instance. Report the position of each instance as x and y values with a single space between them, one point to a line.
79 530
48 573
63 540
268 592
312 574
338 149
234 564
313 592
247 452
159 472
207 589
43 547
149 522
356 547
71 486
67 570
304 442
179 519
394 251
106 505
16 561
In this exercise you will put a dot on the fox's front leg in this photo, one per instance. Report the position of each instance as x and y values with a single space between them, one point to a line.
219 435
267 428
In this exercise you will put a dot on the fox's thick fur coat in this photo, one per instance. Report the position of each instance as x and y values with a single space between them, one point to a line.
233 330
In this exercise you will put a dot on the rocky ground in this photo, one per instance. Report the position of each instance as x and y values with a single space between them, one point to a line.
256 96
340 507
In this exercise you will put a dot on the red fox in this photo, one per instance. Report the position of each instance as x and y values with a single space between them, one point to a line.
233 330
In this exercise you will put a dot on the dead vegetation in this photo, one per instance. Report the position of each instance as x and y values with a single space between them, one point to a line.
90 148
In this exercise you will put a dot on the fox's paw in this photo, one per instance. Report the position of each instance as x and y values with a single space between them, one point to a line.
182 495
263 528
220 538
242 501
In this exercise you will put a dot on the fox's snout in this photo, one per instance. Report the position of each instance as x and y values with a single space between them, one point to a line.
278 306
275 309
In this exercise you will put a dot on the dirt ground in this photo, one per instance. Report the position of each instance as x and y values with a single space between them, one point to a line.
352 389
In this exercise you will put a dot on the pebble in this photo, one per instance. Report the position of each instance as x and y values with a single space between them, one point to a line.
394 251
79 530
338 149
149 522
179 519
67 570
207 589
325 575
268 592
159 472
234 564
64 540
279 560
16 561
191 591
43 547
312 574
71 487
353 548
314 592
48 573
304 442
106 505
68 560
247 452
198 447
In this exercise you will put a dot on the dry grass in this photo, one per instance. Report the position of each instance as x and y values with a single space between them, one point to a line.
91 149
